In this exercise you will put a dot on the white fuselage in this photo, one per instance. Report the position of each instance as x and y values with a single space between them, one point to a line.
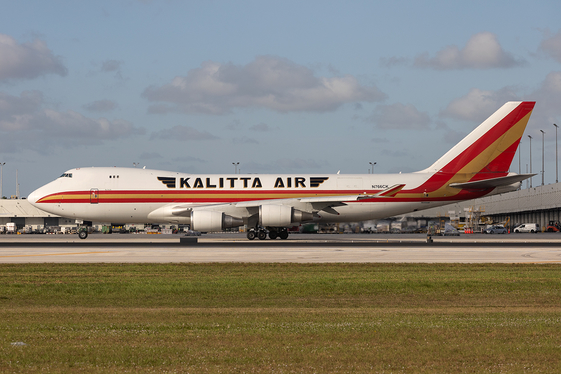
128 195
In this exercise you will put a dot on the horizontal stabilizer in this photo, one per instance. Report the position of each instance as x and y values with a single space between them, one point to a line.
492 183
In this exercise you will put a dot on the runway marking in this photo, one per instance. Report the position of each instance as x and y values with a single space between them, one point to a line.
57 254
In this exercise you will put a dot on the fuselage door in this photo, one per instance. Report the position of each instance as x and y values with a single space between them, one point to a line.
94 196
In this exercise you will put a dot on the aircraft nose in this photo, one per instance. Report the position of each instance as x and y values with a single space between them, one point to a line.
34 197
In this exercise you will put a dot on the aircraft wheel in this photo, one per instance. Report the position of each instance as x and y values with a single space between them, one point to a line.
83 234
283 234
251 235
273 234
262 235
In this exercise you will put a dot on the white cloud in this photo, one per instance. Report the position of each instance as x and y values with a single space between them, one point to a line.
399 116
551 45
27 60
28 124
267 82
478 104
482 51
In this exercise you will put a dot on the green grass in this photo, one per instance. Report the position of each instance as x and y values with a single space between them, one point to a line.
280 318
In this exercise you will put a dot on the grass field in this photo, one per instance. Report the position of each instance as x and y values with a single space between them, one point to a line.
281 318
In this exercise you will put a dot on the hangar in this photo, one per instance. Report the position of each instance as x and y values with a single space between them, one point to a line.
22 213
540 205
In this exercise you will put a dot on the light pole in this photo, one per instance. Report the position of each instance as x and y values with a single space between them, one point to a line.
556 159
543 158
530 159
235 167
1 178
372 167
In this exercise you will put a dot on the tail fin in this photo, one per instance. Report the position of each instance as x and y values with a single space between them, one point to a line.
487 151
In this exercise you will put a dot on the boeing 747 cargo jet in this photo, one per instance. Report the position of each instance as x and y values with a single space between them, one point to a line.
268 204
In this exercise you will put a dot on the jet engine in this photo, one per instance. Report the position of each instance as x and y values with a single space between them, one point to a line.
201 220
206 220
281 215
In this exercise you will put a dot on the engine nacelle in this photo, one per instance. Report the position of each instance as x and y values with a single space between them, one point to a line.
171 213
206 220
281 215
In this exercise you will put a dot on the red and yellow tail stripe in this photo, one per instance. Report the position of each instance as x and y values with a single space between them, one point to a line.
489 156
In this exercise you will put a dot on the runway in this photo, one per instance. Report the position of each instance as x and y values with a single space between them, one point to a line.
299 248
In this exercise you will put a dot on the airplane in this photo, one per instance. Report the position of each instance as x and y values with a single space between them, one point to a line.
269 204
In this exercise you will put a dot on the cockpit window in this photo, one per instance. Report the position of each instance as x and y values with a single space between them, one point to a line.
66 175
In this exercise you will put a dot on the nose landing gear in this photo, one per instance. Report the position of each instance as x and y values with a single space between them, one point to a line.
83 233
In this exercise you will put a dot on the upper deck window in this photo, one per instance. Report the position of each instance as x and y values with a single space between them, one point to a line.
66 175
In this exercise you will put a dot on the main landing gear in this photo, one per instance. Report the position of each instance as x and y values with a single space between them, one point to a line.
261 233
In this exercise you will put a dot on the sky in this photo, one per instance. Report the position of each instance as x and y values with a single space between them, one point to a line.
306 87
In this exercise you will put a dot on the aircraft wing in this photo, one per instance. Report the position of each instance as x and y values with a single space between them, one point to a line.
492 183
388 192
315 203
326 203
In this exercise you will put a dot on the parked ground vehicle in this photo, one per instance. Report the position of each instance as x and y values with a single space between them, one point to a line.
497 229
11 228
554 226
527 227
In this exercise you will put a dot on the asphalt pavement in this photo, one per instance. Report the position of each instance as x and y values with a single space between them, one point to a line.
299 248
